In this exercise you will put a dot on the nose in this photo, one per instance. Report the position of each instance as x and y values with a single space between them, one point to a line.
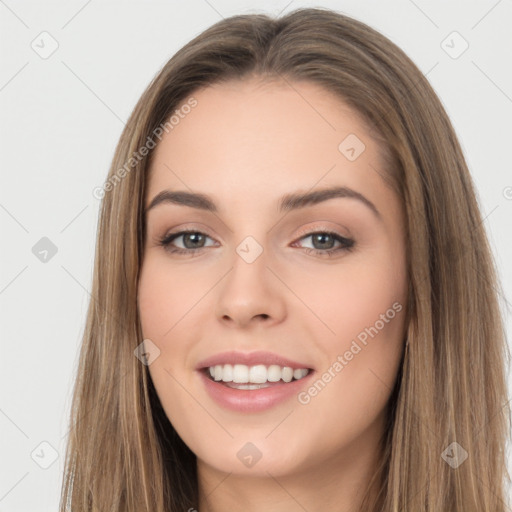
250 294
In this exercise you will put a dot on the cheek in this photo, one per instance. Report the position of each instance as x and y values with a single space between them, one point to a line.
367 300
167 296
365 307
166 299
353 296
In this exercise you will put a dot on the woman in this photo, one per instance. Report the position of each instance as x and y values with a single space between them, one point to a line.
262 369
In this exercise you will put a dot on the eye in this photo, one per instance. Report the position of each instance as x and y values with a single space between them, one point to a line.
193 241
323 242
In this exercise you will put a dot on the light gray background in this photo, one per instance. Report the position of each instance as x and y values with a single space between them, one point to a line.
61 117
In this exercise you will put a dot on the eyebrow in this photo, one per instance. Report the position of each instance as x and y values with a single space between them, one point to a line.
287 202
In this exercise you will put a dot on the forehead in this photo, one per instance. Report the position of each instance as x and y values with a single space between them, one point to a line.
262 138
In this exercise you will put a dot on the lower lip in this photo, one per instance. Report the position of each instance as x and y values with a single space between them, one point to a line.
243 400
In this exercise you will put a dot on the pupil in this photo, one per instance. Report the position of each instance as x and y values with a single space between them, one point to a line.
320 237
192 235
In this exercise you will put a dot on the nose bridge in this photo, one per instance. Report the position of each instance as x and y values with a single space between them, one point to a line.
250 249
249 268
249 289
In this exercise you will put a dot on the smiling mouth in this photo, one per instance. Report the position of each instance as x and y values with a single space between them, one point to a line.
254 377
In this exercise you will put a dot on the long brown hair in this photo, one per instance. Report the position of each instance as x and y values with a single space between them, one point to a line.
124 455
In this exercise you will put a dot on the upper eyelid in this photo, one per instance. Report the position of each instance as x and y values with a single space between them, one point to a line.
315 228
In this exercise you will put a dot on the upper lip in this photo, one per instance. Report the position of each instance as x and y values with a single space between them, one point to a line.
250 359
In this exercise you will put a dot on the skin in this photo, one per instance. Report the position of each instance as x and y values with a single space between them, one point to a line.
246 144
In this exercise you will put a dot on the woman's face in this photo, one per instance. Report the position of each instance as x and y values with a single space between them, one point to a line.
253 277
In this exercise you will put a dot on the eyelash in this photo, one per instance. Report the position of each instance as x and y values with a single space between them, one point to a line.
347 243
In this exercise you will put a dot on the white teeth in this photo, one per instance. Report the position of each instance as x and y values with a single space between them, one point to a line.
247 386
297 374
227 373
240 373
287 375
274 373
258 374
